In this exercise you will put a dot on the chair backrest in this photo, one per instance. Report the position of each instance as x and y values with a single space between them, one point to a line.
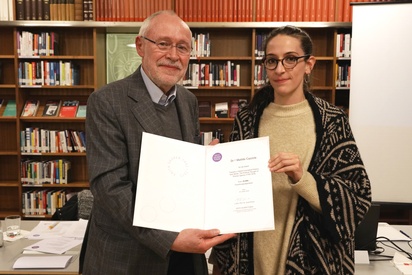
365 234
85 203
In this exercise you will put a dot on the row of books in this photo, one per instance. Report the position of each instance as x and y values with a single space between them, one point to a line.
201 45
189 10
221 109
38 140
343 45
215 10
52 107
129 10
6 10
43 202
49 73
343 75
259 75
259 44
56 10
207 137
31 44
44 172
55 107
229 10
210 74
266 10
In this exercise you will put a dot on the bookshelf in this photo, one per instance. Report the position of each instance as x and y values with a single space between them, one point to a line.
84 43
81 46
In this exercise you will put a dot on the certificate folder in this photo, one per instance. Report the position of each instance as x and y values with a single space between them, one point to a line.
182 185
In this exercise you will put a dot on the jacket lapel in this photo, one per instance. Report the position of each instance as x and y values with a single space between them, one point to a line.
141 105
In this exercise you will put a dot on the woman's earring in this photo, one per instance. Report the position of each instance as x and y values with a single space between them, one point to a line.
306 79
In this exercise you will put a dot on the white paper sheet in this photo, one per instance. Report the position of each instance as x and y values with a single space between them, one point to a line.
42 262
54 245
53 229
183 185
390 232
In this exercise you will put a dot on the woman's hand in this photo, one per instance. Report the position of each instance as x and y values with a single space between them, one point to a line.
287 163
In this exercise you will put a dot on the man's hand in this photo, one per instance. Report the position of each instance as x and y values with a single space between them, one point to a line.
198 241
214 141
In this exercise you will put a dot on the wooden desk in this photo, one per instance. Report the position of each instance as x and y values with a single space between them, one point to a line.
13 250
385 267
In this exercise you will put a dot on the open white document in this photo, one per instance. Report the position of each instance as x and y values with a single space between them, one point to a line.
53 229
183 185
54 245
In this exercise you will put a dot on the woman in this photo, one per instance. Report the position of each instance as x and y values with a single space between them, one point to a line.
321 190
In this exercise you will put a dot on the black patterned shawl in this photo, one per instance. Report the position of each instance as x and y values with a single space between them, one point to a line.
320 243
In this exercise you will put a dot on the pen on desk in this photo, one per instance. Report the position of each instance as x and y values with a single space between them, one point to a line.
56 223
404 234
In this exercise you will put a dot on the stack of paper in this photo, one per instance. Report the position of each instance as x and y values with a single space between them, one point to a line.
57 237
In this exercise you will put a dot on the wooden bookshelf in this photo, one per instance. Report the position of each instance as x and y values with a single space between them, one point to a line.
84 43
78 45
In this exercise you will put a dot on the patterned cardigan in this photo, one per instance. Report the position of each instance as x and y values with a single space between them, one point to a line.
320 243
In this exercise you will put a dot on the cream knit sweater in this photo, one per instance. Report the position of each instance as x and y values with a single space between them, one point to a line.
290 128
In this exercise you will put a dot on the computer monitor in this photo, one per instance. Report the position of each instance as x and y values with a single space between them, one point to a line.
365 234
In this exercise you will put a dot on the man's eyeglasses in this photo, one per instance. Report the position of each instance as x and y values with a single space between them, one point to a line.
289 62
182 49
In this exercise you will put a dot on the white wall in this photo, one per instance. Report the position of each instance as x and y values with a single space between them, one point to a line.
381 97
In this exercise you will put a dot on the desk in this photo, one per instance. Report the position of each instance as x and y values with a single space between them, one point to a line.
385 267
13 250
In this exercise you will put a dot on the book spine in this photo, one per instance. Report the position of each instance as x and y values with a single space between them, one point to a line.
46 9
39 10
33 9
27 8
19 10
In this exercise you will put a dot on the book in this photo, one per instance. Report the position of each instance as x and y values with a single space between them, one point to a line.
234 107
205 109
81 110
221 109
69 108
10 109
52 107
162 201
78 10
46 9
206 137
39 10
19 10
30 107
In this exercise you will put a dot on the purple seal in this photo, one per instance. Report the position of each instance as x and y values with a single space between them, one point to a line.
217 157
